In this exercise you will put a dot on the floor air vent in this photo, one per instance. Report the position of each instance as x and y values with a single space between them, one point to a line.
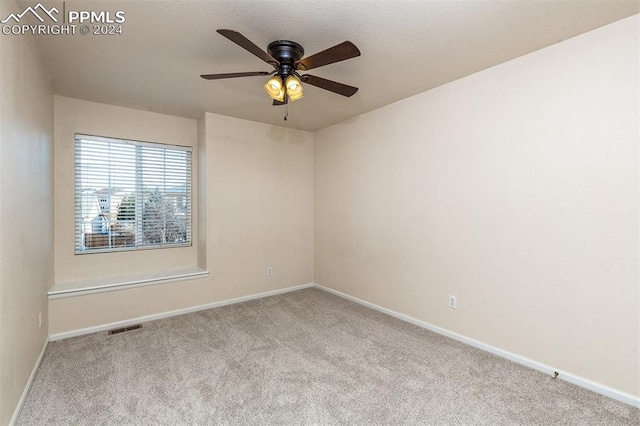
123 329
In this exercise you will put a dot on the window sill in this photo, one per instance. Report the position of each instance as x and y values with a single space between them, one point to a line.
101 285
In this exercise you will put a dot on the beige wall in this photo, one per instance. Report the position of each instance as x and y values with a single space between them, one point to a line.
259 210
515 189
73 116
26 204
259 206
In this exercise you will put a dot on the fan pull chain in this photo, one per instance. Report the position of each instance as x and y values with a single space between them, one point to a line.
286 115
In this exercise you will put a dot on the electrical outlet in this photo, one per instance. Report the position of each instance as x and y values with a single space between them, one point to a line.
452 301
40 320
269 270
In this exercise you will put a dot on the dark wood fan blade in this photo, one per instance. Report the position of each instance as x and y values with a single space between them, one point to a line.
247 44
233 75
332 86
337 53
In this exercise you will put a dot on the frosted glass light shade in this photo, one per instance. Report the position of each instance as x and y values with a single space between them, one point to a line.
274 88
294 88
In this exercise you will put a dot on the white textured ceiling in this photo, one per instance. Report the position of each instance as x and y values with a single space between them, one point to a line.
407 47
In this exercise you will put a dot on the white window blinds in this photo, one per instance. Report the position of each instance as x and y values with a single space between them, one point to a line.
131 195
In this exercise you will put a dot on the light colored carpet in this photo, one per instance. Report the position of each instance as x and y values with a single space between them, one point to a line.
306 357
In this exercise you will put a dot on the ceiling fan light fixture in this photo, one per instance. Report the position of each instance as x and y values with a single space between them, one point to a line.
287 58
274 88
294 88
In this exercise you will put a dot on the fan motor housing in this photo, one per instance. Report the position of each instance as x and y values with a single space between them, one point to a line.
287 53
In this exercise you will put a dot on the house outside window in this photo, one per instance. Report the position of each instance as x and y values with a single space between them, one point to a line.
131 195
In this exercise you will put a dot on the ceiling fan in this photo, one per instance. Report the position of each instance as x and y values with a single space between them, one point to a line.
286 57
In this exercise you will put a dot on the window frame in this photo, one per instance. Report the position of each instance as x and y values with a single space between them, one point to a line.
80 224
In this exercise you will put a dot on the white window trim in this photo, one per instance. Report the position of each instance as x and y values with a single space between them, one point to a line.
62 290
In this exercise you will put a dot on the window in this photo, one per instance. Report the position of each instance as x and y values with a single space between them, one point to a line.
131 195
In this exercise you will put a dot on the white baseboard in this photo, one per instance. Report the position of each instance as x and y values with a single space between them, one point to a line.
527 362
147 318
27 387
